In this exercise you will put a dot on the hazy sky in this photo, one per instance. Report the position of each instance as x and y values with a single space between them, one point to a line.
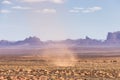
58 19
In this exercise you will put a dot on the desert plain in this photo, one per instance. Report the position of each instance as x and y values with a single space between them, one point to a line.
60 64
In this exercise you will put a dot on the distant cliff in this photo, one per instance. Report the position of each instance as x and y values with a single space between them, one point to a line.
112 39
30 41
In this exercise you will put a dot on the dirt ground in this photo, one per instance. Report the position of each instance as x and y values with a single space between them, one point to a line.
39 68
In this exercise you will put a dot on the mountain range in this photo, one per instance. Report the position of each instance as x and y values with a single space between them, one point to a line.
112 39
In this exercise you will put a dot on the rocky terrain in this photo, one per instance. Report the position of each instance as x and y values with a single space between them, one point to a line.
31 68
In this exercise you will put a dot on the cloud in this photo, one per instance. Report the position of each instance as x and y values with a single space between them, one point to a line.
85 10
49 11
58 1
46 11
51 1
21 8
94 9
33 1
74 11
4 11
6 2
78 8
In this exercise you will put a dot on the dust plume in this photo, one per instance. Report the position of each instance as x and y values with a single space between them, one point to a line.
59 55
49 27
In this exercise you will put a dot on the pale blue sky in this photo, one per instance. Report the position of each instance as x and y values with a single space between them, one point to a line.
58 19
